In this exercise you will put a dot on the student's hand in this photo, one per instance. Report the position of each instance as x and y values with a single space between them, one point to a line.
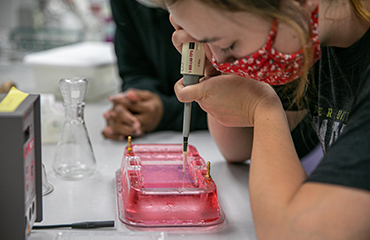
230 99
134 112
180 36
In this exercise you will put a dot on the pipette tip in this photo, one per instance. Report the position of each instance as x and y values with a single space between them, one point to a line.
184 155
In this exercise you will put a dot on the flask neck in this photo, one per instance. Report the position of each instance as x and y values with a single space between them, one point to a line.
74 111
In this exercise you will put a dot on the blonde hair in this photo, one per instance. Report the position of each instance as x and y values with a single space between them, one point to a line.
360 10
287 12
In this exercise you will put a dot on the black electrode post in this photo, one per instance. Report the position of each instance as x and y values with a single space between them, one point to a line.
192 68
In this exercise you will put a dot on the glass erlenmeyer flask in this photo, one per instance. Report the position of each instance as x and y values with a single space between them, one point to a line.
74 157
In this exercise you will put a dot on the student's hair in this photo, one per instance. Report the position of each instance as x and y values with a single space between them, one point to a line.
285 11
360 10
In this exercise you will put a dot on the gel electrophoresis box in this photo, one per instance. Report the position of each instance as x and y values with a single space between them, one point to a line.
151 190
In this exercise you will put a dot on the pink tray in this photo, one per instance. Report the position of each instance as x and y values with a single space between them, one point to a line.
151 191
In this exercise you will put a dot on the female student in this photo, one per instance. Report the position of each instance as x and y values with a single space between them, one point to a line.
149 66
324 47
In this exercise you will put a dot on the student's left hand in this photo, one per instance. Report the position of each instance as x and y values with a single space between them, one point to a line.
230 99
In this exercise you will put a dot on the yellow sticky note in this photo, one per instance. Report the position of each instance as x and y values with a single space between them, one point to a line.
12 100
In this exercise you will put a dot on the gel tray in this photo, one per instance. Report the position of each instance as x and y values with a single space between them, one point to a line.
151 191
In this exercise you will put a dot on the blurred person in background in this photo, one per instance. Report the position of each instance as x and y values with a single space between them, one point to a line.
149 66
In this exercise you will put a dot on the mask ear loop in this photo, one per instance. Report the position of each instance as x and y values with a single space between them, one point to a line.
315 43
314 21
272 35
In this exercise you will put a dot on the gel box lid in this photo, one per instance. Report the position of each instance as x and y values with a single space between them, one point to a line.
151 191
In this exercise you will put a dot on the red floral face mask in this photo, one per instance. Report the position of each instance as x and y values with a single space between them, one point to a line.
270 66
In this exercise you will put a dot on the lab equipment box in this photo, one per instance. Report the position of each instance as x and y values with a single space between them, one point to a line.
152 192
94 61
20 169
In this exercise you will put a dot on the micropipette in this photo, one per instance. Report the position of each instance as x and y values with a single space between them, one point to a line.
192 68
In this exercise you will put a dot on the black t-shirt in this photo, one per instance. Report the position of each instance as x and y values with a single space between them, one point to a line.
340 109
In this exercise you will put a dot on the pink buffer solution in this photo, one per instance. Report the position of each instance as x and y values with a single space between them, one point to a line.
151 191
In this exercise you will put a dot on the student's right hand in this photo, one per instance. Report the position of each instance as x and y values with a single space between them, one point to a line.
134 113
230 99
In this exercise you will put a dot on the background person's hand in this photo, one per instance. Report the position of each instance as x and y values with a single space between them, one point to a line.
134 112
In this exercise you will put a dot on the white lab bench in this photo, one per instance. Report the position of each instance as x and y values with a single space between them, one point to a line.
94 198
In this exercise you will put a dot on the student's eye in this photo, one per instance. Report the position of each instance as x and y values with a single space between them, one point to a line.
230 48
